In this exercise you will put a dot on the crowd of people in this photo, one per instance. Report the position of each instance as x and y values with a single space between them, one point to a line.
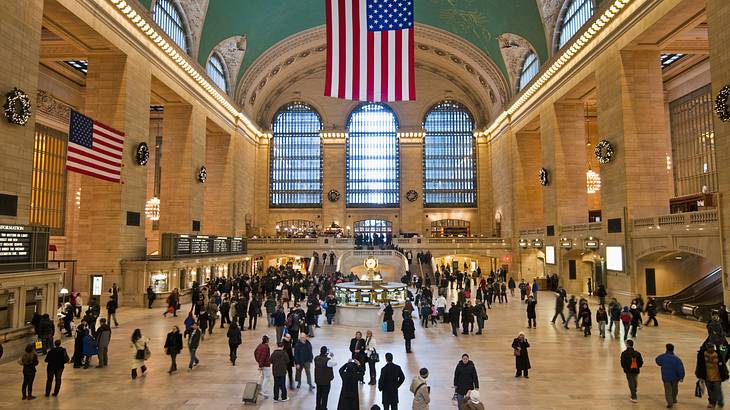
292 304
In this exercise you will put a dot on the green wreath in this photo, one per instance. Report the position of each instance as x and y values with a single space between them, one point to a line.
17 107
721 107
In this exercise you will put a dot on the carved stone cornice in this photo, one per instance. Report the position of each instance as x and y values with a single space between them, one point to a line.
52 109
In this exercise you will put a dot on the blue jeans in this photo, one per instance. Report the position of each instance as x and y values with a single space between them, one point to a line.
329 318
459 400
193 357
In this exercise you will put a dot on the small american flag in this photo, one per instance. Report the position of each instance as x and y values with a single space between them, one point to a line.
370 48
94 149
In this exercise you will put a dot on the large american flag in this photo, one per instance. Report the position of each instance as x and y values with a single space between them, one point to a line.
94 149
370 50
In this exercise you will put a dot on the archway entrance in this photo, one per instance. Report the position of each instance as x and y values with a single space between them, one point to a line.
373 230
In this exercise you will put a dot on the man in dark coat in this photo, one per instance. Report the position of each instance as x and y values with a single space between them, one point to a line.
56 359
454 314
323 376
351 372
631 363
465 378
391 378
409 331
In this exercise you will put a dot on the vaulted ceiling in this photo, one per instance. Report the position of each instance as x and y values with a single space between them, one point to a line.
481 22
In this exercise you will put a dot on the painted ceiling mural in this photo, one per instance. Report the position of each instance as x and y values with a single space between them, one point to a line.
266 22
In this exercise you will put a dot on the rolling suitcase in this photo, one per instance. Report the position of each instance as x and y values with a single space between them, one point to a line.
250 392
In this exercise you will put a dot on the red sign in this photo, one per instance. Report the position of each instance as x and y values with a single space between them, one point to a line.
506 259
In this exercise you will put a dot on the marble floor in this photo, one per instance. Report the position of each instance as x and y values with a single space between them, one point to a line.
569 370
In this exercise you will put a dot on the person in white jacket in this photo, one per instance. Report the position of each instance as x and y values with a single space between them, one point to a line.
441 307
370 347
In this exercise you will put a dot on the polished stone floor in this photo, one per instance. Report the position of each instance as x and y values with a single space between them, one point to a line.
569 371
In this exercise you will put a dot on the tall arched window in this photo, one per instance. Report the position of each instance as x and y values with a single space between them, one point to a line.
575 16
216 72
530 68
296 158
448 157
373 173
167 16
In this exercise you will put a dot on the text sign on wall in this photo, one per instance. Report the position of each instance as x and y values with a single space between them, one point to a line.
15 244
96 285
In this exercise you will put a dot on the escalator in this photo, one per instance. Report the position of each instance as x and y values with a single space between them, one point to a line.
696 300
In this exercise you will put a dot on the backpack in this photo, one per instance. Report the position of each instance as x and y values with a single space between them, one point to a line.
634 364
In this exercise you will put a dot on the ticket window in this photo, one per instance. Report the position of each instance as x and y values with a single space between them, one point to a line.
160 282
7 299
33 300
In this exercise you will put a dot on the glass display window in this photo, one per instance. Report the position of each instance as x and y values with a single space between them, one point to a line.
160 281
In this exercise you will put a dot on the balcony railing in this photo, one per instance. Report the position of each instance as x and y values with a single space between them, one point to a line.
418 242
594 227
687 220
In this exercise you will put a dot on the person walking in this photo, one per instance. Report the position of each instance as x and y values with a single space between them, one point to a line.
713 371
323 376
559 306
531 313
262 354
672 374
194 335
303 357
421 391
522 356
173 347
29 361
140 352
371 352
103 338
279 318
234 340
465 379
572 312
279 364
651 312
480 313
602 320
111 311
46 330
151 296
351 372
391 378
409 331
454 313
626 318
56 360
631 363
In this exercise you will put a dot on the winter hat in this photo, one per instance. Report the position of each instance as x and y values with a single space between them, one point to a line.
474 396
633 306
626 308
423 373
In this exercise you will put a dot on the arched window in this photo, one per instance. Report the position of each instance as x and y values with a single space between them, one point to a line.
448 157
575 16
170 21
373 173
530 68
296 158
216 72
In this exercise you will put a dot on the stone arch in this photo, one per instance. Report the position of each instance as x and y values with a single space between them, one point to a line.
193 15
514 50
231 51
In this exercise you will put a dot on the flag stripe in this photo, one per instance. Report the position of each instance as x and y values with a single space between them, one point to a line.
355 7
370 47
398 51
384 65
328 82
343 48
411 64
94 173
113 138
94 164
77 151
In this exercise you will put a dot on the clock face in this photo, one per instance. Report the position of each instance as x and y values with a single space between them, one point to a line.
371 263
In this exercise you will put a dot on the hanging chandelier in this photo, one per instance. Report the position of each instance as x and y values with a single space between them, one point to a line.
152 209
593 182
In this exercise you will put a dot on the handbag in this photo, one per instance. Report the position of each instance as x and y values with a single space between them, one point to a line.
699 388
38 345
374 356
384 327
517 352
147 352
140 354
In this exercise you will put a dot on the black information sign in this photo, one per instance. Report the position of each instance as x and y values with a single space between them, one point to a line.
177 246
15 244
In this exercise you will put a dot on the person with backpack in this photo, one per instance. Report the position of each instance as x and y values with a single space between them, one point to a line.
672 374
631 363
626 321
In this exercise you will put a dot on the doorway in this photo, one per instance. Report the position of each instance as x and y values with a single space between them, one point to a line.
650 275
